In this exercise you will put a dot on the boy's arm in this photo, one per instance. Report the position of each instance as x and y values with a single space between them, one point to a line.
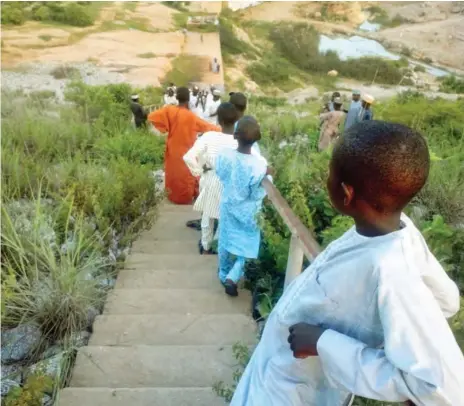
159 119
192 156
444 290
419 347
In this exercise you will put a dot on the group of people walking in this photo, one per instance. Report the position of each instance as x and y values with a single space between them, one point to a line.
333 115
368 317
220 167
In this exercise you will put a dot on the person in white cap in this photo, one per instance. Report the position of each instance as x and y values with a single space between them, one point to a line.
194 103
330 123
366 110
139 113
210 114
170 97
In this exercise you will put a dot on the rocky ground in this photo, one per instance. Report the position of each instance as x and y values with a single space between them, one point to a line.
38 77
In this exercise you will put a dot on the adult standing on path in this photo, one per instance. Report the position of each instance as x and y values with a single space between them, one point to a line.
330 124
353 110
140 115
182 126
212 106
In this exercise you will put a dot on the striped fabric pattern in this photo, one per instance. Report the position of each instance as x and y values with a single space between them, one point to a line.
205 150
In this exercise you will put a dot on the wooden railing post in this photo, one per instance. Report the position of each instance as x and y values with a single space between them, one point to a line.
295 260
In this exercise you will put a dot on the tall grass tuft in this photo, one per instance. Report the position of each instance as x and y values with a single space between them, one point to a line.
50 284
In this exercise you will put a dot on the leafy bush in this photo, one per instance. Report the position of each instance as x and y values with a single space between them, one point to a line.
419 68
51 287
231 45
185 70
13 13
32 393
177 5
303 52
451 84
64 72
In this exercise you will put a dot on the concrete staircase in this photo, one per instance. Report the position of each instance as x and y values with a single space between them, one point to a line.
166 334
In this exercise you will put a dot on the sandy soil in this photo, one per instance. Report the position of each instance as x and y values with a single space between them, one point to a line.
142 57
441 41
422 11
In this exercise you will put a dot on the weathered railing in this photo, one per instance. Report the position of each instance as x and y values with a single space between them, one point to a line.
302 242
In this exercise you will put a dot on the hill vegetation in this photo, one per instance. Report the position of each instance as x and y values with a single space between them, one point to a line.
78 14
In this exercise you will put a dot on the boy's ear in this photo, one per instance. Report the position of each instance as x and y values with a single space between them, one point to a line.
348 192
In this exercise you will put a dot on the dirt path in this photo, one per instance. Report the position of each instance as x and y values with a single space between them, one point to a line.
206 45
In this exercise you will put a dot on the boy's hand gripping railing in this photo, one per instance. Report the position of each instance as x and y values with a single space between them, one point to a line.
302 242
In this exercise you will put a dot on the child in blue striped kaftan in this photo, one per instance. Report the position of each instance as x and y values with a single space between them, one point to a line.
241 173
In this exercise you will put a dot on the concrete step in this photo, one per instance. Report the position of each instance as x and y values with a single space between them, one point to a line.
172 226
153 366
176 301
152 246
139 397
164 262
222 329
143 279
168 207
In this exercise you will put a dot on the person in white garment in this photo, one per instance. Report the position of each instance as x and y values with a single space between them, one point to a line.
200 159
368 317
170 97
239 100
194 103
212 105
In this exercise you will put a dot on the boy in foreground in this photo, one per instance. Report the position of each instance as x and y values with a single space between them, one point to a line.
368 317
240 173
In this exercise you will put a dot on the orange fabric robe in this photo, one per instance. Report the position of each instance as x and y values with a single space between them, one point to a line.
182 127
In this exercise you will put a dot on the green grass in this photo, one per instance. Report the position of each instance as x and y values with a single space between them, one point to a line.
130 5
64 72
147 55
45 38
185 69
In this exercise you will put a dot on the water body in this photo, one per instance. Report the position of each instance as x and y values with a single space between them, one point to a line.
357 47
368 26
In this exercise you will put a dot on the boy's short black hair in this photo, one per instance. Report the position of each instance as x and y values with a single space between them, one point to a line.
387 164
183 94
227 114
239 100
247 131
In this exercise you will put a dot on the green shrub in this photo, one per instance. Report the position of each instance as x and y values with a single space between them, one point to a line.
64 72
231 45
41 13
177 5
147 55
13 13
271 70
77 15
303 52
32 393
50 287
451 84
185 70
141 148
419 68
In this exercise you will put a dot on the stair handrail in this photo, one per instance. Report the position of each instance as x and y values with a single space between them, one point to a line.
302 242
